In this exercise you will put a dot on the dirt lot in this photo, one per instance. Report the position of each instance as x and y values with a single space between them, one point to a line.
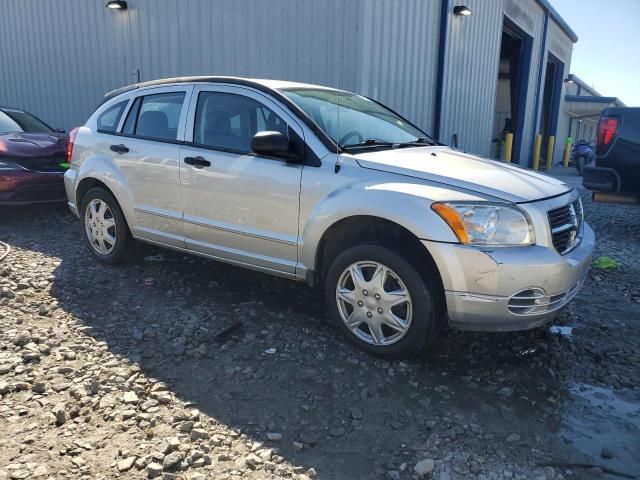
178 367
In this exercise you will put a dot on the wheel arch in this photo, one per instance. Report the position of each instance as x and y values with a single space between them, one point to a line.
87 184
369 229
98 171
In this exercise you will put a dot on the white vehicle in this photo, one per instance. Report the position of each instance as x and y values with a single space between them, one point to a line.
403 234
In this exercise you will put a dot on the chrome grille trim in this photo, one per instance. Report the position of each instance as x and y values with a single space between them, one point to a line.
534 301
566 226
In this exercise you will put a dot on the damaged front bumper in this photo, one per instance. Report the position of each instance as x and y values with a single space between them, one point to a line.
509 288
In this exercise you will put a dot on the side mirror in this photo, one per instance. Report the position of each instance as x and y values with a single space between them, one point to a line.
273 144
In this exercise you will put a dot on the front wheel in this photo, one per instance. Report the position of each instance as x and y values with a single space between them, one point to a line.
105 228
380 302
580 165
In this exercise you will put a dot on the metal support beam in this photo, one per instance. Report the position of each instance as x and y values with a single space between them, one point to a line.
442 50
540 84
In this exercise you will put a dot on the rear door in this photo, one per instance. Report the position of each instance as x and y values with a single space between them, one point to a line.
147 151
239 206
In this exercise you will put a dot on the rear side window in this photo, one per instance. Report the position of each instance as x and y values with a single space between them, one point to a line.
228 121
155 116
109 119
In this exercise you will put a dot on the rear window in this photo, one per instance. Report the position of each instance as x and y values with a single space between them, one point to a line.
109 119
155 116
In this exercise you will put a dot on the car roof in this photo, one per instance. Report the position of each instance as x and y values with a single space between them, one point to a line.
13 109
273 87
261 84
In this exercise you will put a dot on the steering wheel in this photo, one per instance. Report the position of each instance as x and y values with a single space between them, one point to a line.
352 133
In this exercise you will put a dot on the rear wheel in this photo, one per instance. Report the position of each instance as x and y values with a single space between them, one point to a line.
105 228
380 302
580 165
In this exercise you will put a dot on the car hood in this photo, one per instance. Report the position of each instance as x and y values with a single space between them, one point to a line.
40 152
468 172
32 144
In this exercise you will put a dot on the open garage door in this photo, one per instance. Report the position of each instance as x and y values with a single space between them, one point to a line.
511 94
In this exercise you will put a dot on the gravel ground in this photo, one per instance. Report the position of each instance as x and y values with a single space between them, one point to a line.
176 367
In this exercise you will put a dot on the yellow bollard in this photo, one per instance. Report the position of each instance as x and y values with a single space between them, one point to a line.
550 145
536 152
567 153
508 146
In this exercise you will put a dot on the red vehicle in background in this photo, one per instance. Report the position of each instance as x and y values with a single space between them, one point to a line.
32 159
615 176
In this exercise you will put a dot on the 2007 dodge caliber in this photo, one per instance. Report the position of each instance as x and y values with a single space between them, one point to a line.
403 234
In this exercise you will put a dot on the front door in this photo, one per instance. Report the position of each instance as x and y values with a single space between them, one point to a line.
239 206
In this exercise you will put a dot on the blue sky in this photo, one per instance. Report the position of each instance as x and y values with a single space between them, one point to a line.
607 54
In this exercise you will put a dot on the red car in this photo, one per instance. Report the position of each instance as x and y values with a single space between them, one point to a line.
32 159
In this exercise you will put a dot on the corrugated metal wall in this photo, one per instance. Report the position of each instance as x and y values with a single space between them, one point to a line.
64 58
59 57
560 45
529 16
57 60
471 75
398 61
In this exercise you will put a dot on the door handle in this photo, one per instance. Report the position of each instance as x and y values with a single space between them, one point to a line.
119 148
197 162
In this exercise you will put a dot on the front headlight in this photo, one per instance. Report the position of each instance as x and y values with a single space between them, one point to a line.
486 223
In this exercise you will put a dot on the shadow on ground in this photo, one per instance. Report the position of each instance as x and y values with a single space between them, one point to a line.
490 395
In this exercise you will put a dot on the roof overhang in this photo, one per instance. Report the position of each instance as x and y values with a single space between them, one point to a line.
581 107
553 13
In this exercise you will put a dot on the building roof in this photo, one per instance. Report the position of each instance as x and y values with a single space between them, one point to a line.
577 106
553 13
583 85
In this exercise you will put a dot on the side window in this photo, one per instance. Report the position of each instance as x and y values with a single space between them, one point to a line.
129 126
108 120
155 116
228 121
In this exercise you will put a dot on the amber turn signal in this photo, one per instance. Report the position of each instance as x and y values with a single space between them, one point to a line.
453 219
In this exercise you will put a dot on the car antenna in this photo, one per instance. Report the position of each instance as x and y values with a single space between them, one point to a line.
338 164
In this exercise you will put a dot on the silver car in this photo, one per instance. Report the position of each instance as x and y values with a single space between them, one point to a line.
403 234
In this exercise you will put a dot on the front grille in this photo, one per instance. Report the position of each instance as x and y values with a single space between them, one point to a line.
566 225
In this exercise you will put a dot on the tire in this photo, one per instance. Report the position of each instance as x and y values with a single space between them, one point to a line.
112 240
580 165
425 317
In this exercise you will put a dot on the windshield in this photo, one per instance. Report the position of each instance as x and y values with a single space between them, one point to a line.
18 121
361 122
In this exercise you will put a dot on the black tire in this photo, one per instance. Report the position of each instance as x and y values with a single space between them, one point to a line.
580 165
427 319
123 239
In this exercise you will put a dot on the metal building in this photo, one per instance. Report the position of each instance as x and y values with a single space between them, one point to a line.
464 78
582 108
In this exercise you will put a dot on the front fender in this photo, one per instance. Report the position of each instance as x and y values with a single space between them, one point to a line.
406 204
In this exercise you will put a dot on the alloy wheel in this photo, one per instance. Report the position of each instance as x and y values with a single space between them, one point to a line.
374 303
100 226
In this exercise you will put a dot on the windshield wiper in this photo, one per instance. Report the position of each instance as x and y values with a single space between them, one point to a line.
418 142
369 142
374 142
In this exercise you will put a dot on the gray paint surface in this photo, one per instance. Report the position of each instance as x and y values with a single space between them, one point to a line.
529 16
471 75
60 57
